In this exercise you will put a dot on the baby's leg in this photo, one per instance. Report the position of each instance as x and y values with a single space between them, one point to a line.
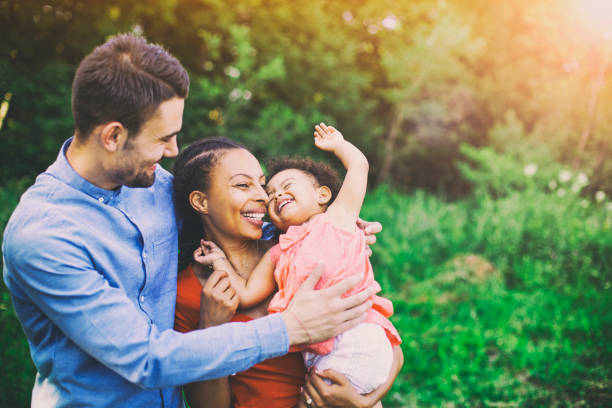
363 354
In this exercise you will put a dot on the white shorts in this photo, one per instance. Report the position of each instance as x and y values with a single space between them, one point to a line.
363 354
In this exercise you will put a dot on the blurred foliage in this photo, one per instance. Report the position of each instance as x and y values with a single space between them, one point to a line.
409 82
501 302
18 374
499 108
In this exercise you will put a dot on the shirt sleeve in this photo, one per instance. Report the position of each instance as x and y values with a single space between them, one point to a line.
58 277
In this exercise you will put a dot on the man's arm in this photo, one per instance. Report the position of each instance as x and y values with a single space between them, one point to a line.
109 326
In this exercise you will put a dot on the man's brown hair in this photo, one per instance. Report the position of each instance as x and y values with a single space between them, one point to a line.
124 80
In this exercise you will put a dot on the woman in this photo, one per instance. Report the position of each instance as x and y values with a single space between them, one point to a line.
219 194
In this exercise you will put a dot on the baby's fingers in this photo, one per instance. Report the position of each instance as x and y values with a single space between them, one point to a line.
199 256
209 247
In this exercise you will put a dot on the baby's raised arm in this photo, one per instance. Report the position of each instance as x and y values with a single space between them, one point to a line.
345 209
251 291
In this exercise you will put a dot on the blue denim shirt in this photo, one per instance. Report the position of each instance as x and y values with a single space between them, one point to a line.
92 275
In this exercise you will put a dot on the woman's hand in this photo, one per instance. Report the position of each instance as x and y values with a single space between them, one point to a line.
218 302
340 393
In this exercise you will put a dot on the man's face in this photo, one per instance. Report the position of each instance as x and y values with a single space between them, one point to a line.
136 160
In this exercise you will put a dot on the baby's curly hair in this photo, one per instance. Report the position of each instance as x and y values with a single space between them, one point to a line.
323 173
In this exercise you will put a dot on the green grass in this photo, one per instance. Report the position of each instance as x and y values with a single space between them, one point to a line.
502 302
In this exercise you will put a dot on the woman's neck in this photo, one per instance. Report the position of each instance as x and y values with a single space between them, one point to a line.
243 254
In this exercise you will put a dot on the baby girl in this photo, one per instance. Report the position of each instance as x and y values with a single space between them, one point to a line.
318 218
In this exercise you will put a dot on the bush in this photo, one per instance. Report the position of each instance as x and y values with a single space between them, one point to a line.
15 389
525 322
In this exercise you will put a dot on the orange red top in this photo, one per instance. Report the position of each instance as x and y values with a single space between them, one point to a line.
273 383
342 254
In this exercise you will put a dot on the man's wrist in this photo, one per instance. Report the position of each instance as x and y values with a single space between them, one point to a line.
296 331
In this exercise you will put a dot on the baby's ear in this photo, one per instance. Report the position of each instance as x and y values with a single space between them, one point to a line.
198 201
324 194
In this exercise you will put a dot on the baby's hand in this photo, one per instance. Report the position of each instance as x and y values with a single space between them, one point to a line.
327 138
209 254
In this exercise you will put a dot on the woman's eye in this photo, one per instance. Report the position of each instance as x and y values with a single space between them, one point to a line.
242 185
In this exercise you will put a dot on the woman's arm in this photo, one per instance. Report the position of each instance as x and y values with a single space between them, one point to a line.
342 394
217 306
209 394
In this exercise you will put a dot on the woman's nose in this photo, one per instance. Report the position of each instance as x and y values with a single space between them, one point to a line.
260 194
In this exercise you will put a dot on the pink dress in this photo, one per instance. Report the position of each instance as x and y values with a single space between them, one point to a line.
342 253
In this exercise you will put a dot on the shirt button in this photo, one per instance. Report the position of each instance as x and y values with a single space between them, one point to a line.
142 299
101 199
144 255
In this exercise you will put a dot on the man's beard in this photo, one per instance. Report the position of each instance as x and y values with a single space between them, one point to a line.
128 178
125 175
141 180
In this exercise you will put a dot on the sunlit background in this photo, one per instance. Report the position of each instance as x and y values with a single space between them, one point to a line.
487 125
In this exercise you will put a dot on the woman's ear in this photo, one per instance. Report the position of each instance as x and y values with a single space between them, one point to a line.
112 136
324 194
198 201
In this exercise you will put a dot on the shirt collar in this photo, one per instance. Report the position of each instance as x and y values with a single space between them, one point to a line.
63 171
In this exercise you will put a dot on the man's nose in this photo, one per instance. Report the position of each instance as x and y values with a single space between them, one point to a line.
171 148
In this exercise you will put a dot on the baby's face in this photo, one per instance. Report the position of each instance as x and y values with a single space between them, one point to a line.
294 197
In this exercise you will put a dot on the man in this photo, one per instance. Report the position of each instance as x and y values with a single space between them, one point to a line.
90 253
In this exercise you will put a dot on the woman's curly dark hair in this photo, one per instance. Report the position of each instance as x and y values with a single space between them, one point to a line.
192 171
323 173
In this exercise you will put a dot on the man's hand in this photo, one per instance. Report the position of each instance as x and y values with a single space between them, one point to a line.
317 315
218 302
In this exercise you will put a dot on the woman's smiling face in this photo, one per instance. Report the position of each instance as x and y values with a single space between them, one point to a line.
236 199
